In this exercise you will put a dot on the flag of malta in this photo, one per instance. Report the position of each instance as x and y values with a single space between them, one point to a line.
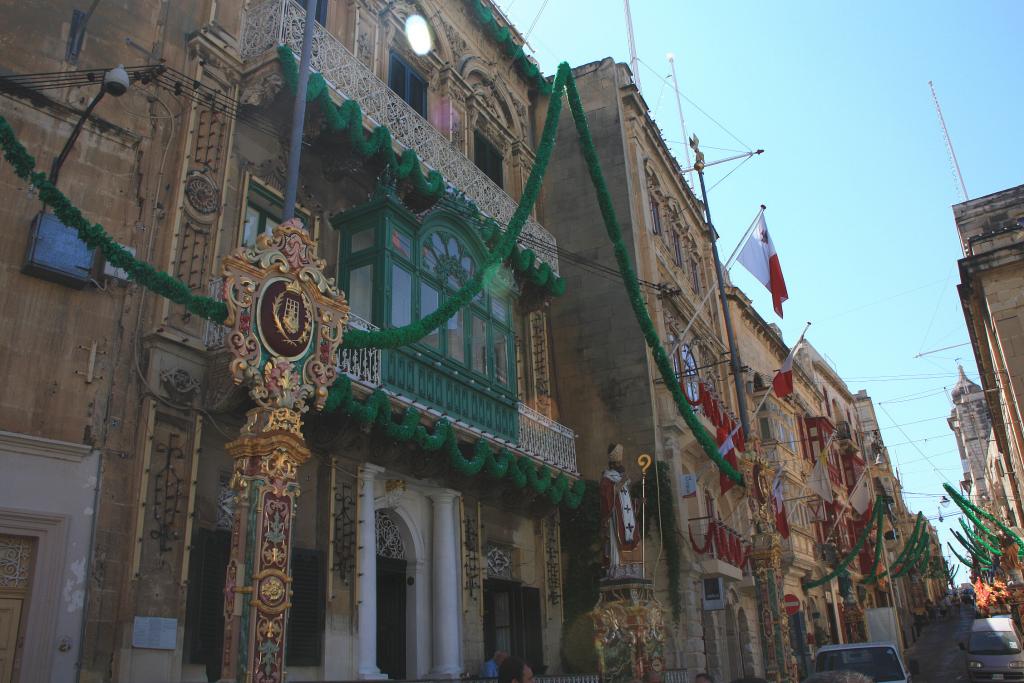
782 383
727 449
759 257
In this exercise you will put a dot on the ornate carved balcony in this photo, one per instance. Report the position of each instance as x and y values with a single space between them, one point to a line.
362 365
546 440
281 22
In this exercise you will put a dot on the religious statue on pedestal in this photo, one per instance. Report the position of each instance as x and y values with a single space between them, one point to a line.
620 520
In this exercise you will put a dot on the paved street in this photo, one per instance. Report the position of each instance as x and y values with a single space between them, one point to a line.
936 650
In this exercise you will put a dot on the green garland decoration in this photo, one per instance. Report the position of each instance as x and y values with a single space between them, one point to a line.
503 36
666 518
873 574
966 563
966 505
854 551
979 539
500 464
506 243
911 542
914 557
95 237
636 299
974 550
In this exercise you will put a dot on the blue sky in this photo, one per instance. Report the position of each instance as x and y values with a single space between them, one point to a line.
855 174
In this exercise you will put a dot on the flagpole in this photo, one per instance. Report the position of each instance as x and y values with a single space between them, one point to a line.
710 290
847 504
793 352
737 366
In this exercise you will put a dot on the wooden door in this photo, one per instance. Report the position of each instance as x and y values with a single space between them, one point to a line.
391 587
10 618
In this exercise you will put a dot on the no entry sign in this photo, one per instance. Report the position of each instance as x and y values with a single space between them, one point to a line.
791 603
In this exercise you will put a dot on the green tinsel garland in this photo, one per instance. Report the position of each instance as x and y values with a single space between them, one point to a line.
979 538
966 563
968 507
911 542
503 36
95 237
636 299
348 118
914 557
879 526
503 464
876 518
974 550
666 518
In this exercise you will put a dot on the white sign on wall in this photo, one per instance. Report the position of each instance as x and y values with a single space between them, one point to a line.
155 633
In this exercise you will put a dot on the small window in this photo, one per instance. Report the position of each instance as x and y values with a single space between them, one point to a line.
263 211
479 345
401 296
487 159
677 249
429 300
694 276
401 243
655 217
500 358
408 84
362 240
457 337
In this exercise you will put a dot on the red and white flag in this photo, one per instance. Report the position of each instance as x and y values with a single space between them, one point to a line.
779 503
727 449
759 257
782 383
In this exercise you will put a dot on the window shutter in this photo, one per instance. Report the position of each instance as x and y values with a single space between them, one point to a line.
533 640
205 613
306 617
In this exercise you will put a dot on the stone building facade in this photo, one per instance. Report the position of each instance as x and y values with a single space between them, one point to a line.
991 230
969 419
403 566
604 365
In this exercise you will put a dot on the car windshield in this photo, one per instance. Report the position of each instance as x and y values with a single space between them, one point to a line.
993 643
878 663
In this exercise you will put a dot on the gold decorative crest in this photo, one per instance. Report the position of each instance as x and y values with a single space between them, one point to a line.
286 319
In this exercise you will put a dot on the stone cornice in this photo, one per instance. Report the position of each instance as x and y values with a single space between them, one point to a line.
13 443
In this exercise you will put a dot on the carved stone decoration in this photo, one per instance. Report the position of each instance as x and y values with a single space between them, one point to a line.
344 532
389 539
471 549
261 88
629 632
169 491
179 384
552 559
202 194
286 319
499 561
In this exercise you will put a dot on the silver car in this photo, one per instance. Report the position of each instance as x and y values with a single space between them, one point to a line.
994 651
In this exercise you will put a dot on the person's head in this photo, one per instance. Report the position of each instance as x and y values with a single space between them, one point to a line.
838 677
749 679
514 670
499 656
703 678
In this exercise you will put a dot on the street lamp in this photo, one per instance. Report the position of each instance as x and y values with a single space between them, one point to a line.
115 83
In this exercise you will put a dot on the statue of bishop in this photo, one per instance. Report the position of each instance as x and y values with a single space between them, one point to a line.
619 518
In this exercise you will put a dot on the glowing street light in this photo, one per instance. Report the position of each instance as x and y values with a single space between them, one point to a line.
418 33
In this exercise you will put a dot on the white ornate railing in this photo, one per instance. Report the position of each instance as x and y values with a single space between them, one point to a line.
214 333
276 22
362 365
546 440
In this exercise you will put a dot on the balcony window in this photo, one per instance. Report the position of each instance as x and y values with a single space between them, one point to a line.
360 291
488 159
408 84
677 249
694 276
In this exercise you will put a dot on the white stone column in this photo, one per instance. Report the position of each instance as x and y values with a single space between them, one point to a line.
366 543
446 577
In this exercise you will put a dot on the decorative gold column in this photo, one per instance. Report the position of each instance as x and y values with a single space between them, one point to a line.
286 323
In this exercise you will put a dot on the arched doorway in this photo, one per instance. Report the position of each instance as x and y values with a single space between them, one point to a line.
732 644
392 571
746 644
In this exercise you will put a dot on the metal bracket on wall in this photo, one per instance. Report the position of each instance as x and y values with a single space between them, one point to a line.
90 372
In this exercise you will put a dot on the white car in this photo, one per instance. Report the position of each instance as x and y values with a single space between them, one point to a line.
880 661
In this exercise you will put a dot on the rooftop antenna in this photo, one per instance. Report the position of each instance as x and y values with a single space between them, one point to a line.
949 145
679 107
634 62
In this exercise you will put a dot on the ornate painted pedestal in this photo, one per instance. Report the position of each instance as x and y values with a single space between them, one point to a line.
629 631
285 319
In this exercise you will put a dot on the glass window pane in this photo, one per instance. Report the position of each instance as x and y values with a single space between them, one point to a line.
429 302
457 337
499 309
251 226
360 292
362 240
502 622
401 243
479 345
500 357
401 296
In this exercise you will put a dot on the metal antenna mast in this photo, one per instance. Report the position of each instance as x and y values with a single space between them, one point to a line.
682 121
949 144
634 63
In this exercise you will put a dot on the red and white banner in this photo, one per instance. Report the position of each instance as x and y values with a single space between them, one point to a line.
758 255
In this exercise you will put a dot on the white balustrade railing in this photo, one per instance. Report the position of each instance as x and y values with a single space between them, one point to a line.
362 365
281 22
546 440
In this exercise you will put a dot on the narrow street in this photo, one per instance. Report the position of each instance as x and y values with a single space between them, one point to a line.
936 650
